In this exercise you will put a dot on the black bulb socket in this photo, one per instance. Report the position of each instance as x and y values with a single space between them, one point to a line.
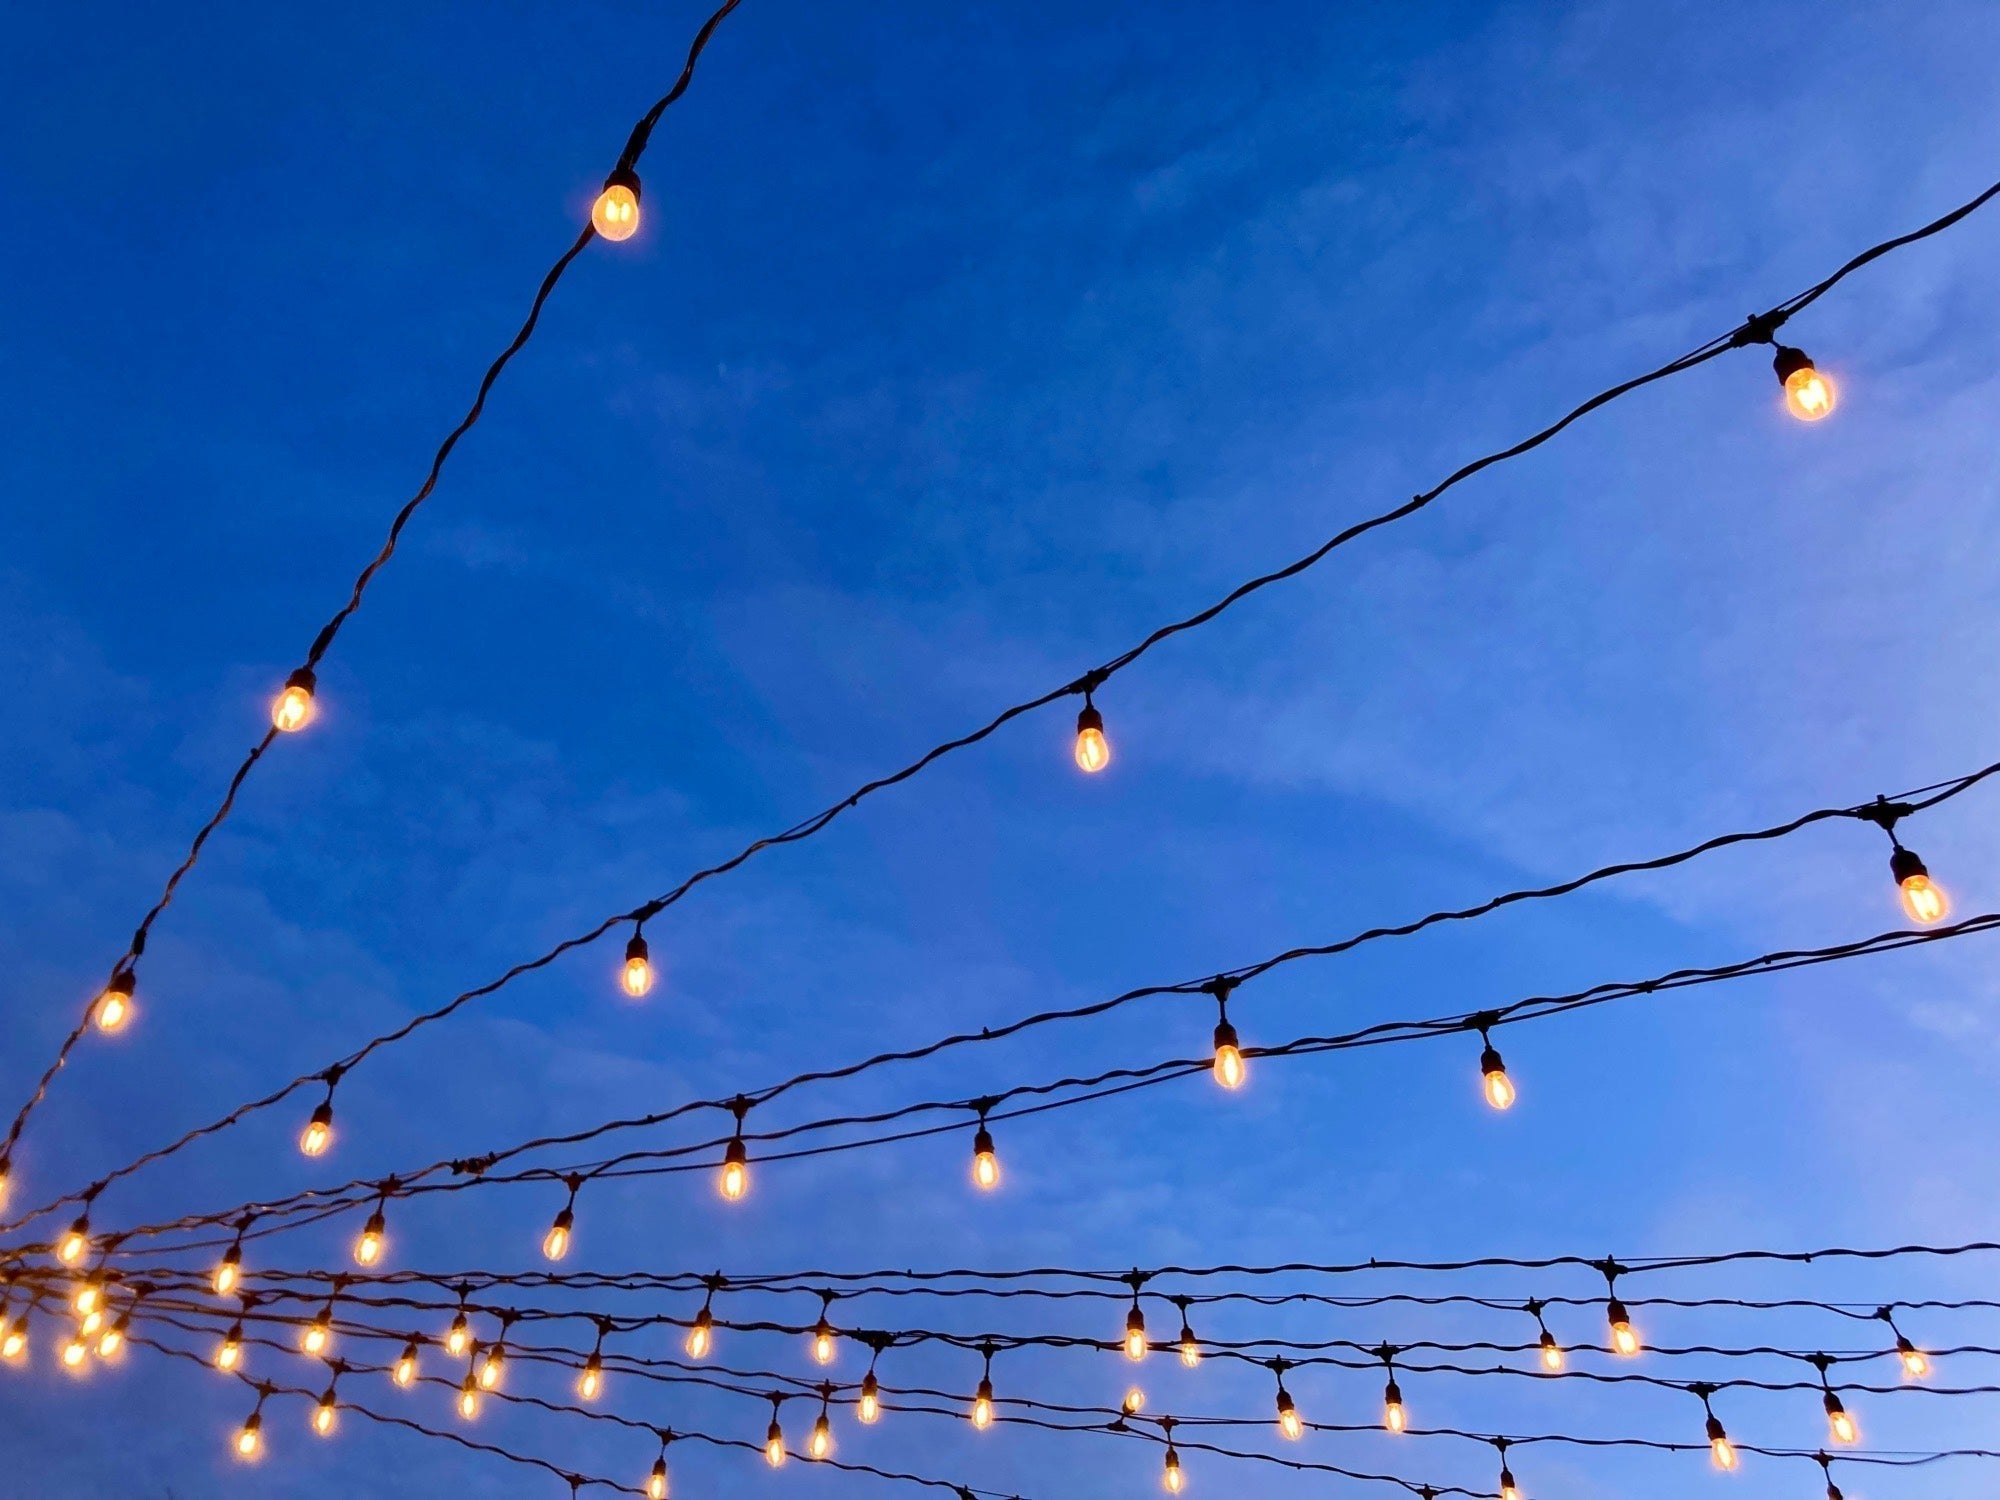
1903 863
1789 361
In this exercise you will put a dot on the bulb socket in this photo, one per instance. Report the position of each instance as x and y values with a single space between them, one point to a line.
1089 719
1489 1061
1903 863
623 176
1789 361
636 949
982 1142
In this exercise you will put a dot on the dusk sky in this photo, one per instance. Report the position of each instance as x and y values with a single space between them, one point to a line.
960 347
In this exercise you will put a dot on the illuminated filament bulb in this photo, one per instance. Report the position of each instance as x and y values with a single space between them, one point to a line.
1916 1364
75 1352
468 1398
701 1337
1190 1347
113 1338
1552 1354
735 1179
1839 1425
1171 1478
1924 901
1230 1069
871 1399
656 1482
459 1339
1394 1418
982 1405
318 1335
250 1437
405 1374
326 1416
555 1244
823 1346
985 1162
374 1236
89 1297
230 1272
75 1243
820 1444
774 1445
1093 750
1809 395
1134 1402
1508 1489
229 1353
1720 1450
637 976
1288 1416
1624 1339
615 214
590 1384
114 1006
1135 1335
6 1178
318 1134
493 1369
14 1341
1499 1087
292 709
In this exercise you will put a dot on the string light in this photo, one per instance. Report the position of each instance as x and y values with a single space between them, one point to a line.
250 1436
292 709
405 1374
1624 1338
701 1333
555 1244
985 1160
1230 1069
590 1383
1509 1490
317 1337
88 1297
75 1351
1493 1072
823 1343
459 1339
373 1239
870 1406
229 1271
1840 1425
1288 1415
656 1482
1190 1346
1134 1401
113 1338
1394 1417
1826 1467
14 1340
1093 750
819 1445
6 1179
1809 395
615 214
1916 1364
1551 1351
735 1179
494 1367
114 1006
774 1437
1923 899
229 1353
318 1134
1721 1452
468 1396
1171 1478
326 1415
982 1400
75 1243
637 976
1135 1332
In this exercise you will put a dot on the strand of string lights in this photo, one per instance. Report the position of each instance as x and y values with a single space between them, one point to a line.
1922 899
614 216
1808 394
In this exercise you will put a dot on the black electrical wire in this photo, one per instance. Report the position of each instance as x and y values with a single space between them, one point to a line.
635 145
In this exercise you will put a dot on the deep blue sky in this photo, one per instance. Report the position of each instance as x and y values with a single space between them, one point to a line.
959 348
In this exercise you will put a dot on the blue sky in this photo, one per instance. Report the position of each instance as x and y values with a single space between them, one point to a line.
957 351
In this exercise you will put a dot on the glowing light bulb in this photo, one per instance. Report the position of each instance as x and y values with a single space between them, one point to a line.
92 1321
1394 1418
1809 395
230 1272
75 1352
871 1399
75 1243
459 1339
1171 1478
701 1337
374 1237
6 1179
1624 1338
774 1445
823 1348
1720 1450
982 1405
590 1384
88 1297
656 1482
229 1353
820 1444
114 1337
318 1134
318 1335
250 1438
615 214
1135 1335
1288 1416
325 1416
1230 1069
637 976
493 1369
292 709
405 1374
1924 901
555 1244
985 1161
1093 750
114 1006
1839 1424
1916 1364
468 1398
1499 1087
1508 1489
1134 1402
1552 1354
1190 1347
735 1179
14 1342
